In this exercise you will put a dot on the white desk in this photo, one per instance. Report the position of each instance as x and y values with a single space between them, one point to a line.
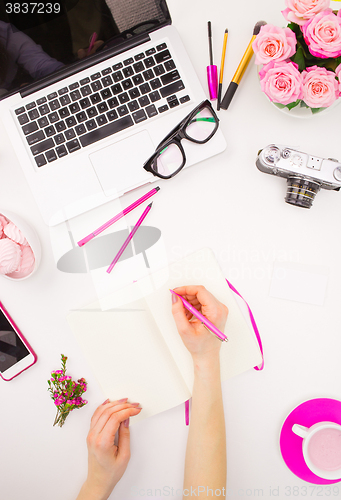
241 214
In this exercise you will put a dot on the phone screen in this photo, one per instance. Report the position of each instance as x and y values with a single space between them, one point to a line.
12 348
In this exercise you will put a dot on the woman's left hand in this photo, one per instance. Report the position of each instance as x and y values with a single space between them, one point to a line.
107 462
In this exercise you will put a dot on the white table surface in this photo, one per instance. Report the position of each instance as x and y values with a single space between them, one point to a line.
240 213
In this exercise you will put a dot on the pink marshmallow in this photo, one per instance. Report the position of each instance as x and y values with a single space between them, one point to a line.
26 265
10 256
3 223
14 233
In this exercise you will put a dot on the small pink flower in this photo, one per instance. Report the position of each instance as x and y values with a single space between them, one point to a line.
274 44
300 11
281 82
57 373
323 34
320 87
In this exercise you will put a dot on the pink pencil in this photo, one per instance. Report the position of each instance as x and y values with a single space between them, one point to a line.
125 244
118 216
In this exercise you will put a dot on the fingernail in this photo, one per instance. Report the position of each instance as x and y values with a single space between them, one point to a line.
105 402
174 298
135 404
122 400
126 423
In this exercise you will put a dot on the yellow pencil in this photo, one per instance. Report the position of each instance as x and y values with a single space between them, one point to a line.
222 68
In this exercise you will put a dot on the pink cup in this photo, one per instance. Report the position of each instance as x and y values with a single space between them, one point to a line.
321 448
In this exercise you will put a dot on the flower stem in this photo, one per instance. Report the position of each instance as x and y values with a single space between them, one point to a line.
56 419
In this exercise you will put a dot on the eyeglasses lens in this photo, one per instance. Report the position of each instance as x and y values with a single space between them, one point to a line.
202 126
168 161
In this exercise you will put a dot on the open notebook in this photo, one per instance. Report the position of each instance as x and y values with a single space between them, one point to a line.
135 351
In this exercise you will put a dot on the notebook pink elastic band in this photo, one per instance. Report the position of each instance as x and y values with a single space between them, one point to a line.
255 328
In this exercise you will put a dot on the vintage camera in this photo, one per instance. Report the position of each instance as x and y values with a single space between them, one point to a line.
305 174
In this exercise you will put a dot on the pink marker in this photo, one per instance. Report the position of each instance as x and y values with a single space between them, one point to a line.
118 216
221 336
125 244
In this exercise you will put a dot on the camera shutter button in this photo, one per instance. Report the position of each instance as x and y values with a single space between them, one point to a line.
337 174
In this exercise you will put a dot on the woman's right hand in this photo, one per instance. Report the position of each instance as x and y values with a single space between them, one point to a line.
199 341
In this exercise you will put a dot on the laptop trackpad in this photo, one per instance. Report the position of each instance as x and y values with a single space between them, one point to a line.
119 167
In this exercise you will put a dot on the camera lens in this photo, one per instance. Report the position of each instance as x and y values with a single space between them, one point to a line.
301 192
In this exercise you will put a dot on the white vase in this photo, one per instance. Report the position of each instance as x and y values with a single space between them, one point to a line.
300 111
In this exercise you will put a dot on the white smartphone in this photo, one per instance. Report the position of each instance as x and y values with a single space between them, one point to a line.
16 354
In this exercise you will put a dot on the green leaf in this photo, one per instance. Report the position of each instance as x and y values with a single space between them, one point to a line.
279 105
291 26
298 58
316 110
293 104
294 27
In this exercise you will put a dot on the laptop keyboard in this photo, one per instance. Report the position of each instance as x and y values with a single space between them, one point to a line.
100 105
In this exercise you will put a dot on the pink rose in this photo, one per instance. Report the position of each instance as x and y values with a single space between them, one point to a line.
320 87
300 11
323 35
281 82
274 44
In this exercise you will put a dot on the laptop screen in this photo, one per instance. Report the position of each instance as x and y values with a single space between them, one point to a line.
38 39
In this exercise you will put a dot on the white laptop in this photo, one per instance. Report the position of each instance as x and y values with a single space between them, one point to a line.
88 88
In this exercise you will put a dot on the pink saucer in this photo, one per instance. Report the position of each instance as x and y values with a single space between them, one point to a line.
307 414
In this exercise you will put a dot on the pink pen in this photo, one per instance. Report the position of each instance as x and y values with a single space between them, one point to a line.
118 216
125 244
92 42
212 72
221 336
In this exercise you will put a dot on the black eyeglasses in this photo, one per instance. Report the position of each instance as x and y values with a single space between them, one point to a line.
169 157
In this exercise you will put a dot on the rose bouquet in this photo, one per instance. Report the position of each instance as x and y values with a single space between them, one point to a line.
301 63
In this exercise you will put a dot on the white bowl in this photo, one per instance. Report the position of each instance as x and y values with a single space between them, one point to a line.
31 237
